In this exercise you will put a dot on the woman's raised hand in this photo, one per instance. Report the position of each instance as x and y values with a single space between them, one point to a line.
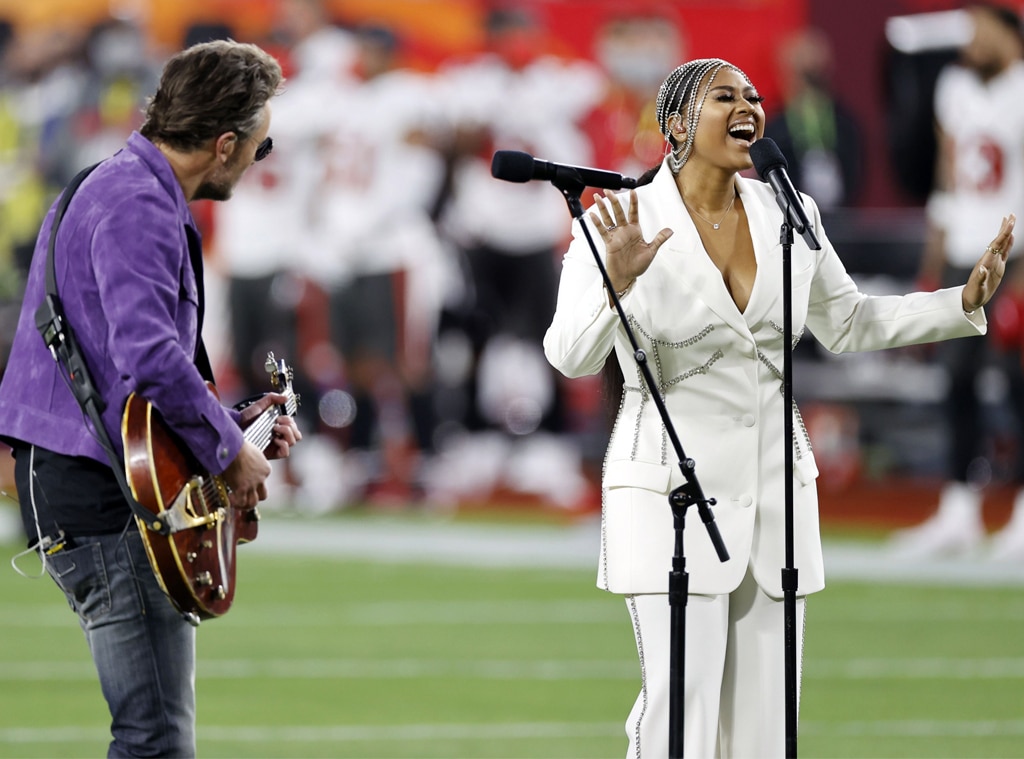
988 272
627 254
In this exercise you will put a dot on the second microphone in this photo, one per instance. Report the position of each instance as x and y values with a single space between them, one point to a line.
517 166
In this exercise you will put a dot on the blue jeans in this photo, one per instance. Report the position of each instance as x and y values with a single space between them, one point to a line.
144 650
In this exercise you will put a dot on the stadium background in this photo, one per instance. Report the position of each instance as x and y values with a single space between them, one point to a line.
864 457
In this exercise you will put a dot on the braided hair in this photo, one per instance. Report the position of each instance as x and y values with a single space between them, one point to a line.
679 90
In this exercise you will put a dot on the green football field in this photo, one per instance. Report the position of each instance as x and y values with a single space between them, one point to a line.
349 656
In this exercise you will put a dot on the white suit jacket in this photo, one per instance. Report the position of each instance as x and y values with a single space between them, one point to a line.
720 374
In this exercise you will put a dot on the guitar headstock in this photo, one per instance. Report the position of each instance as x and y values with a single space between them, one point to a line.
281 377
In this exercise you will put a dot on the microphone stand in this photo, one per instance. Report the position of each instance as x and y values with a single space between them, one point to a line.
789 572
771 166
688 494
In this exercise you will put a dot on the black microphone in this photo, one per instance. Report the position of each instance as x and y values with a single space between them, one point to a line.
771 166
516 166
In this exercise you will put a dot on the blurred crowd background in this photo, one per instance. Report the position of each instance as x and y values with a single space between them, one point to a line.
409 290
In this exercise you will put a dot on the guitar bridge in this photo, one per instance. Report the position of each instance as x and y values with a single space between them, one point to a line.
182 514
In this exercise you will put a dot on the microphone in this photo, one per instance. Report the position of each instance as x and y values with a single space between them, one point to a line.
771 166
516 166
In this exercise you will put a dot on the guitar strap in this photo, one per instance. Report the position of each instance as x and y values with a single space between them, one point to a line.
60 339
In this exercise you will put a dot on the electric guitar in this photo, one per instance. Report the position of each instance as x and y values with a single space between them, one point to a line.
195 563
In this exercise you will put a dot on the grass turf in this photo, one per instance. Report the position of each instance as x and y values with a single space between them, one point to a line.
340 658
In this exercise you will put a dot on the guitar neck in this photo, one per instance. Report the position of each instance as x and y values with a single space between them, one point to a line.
261 431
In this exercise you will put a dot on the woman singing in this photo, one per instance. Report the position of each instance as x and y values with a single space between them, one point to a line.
695 258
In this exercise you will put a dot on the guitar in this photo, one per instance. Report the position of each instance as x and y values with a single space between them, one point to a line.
195 563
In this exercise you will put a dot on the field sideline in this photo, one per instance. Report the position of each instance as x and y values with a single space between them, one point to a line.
421 637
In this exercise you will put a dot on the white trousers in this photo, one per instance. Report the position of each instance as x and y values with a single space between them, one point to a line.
734 703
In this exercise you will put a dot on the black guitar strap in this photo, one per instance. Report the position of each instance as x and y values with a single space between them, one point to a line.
60 339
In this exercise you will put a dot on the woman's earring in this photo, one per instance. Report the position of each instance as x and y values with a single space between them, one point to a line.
676 157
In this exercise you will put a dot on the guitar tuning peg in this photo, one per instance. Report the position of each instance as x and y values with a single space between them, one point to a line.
271 364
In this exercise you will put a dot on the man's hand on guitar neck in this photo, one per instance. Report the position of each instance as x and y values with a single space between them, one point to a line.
247 474
285 431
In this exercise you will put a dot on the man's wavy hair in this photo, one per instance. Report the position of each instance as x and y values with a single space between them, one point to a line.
209 89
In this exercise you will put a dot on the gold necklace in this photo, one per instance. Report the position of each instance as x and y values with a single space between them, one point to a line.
708 221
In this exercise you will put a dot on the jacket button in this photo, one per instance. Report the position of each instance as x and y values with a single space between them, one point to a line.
744 501
748 420
223 452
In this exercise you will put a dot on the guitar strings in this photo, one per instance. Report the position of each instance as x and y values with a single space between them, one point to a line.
259 433
262 430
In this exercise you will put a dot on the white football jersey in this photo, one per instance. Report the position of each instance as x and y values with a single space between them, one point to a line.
986 121
536 110
374 177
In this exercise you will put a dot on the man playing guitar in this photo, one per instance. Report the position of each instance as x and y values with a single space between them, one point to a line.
127 263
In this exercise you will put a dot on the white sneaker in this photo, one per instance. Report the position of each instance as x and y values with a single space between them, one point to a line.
1008 543
956 527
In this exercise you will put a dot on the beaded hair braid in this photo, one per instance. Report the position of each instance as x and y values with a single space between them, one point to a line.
677 90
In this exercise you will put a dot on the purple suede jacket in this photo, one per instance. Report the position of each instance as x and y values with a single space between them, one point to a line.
129 292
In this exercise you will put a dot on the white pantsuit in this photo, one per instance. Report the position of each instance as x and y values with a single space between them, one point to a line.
750 704
720 374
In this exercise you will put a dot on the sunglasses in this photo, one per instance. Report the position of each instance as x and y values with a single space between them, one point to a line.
263 149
